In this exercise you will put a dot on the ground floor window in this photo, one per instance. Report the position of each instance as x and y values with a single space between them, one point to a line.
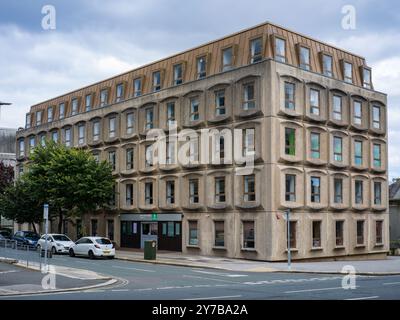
193 233
65 226
248 234
293 233
94 227
79 229
316 234
339 233
110 229
360 232
379 232
219 227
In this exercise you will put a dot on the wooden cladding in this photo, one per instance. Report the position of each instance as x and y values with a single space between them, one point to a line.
212 51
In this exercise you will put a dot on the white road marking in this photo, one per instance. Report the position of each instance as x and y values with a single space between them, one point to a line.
390 283
312 290
9 271
210 298
364 298
119 290
221 274
136 269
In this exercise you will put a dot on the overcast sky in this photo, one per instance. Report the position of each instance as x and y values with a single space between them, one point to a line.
95 39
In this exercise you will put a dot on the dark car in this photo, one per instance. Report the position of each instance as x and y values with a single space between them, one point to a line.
6 234
29 238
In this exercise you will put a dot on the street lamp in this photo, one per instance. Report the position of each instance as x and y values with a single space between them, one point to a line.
4 104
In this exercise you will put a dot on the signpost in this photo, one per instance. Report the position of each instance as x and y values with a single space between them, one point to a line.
46 219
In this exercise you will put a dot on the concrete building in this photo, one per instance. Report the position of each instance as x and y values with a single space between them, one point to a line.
394 211
7 156
307 115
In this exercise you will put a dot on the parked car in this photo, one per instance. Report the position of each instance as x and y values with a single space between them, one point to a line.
6 234
29 238
57 243
93 247
2 238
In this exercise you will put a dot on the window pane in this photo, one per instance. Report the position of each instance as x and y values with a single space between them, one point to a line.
256 50
290 142
327 65
315 145
314 102
289 96
304 58
280 50
248 234
227 59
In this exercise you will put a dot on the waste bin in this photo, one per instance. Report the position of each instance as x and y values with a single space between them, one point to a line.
49 253
150 248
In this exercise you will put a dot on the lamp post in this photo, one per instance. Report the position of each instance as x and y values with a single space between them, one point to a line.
3 104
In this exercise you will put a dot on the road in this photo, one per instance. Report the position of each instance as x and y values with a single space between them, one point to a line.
153 281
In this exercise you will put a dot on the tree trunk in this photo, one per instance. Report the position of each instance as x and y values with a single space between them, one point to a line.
60 221
34 227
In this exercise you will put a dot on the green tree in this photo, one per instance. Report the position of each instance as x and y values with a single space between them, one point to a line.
6 176
69 180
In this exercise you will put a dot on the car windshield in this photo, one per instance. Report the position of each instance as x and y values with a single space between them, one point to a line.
31 235
103 241
60 237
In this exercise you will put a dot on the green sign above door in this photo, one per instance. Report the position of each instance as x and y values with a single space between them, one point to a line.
154 216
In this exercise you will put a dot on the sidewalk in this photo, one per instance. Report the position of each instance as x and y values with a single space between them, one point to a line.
390 266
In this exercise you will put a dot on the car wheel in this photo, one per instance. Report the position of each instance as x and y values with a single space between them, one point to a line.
53 250
91 254
71 253
38 248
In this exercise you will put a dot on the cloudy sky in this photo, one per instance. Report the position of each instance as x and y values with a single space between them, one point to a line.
95 39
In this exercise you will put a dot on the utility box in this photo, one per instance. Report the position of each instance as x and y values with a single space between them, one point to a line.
150 249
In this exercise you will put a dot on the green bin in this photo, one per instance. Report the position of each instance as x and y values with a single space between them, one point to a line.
150 249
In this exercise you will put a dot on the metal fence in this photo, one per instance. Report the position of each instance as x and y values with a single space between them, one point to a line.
25 254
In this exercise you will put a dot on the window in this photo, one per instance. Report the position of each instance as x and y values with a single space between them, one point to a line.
201 67
367 83
149 118
130 119
314 102
289 96
96 157
280 50
61 110
50 114
357 116
65 226
377 155
112 123
170 152
339 233
220 102
377 193
170 192
94 228
194 109
42 140
348 72
358 151
315 145
193 150
327 65
248 96
38 118
315 189
149 156
305 58
379 232
54 136
156 81
112 159
358 191
227 59
249 142
129 194
28 121
293 234
103 97
337 107
193 191
249 193
88 102
75 106
316 234
376 117
148 193
110 229
337 149
193 233
248 235
96 131
220 148
21 144
338 190
81 134
67 134
360 232
219 238
119 92
32 142
129 159
170 113
255 50
290 187
113 196
290 141
137 87
219 189
178 74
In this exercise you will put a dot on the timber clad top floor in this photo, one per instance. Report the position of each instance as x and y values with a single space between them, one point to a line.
295 49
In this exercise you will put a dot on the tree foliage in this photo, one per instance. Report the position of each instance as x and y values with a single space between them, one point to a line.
6 176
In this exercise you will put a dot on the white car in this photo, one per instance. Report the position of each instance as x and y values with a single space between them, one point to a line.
57 243
93 247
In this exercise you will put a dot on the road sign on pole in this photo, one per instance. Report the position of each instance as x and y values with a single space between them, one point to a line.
46 219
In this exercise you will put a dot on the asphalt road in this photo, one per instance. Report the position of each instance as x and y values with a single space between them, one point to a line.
153 281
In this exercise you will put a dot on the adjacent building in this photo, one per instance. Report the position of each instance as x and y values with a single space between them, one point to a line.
304 111
394 212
